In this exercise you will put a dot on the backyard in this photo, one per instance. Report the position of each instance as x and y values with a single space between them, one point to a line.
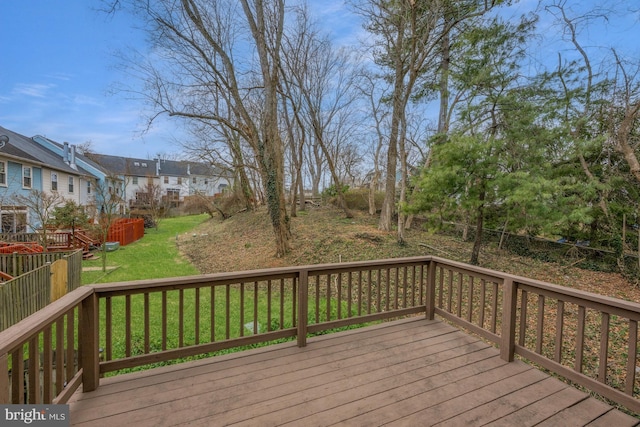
191 245
153 257
195 245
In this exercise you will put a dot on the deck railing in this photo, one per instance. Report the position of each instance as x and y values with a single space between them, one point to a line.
587 338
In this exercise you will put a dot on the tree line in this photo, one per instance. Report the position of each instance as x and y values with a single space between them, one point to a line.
445 105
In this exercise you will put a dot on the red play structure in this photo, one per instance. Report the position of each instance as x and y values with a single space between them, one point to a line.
123 230
20 247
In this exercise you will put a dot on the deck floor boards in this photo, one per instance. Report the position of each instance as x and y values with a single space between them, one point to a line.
404 373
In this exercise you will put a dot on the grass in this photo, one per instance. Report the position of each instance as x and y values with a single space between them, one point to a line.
155 256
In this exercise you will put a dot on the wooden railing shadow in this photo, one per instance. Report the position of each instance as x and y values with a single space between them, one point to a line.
589 339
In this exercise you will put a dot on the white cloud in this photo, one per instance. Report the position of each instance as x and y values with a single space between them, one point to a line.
84 100
60 76
36 90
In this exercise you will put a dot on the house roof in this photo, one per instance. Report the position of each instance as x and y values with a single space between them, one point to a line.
124 165
22 147
79 157
144 167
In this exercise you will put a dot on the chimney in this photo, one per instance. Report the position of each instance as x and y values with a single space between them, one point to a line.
158 166
72 161
65 153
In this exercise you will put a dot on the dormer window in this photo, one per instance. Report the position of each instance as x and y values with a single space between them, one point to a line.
136 163
144 165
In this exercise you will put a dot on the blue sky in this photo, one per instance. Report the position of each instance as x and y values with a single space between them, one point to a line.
57 71
57 68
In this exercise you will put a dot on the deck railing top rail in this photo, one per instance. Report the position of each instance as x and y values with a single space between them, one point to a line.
631 308
150 321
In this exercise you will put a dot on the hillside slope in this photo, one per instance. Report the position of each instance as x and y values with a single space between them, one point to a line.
323 235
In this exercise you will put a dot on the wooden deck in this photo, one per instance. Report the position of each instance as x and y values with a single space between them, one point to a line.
410 372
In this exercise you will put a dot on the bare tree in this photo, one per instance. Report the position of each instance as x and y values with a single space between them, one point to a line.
202 65
624 121
323 81
223 147
368 87
111 205
154 201
404 33
407 41
41 204
296 138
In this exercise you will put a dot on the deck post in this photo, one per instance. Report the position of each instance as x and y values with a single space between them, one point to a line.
89 356
509 305
303 307
4 380
430 302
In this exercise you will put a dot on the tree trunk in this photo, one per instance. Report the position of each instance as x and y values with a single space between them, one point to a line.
373 187
300 180
388 204
294 199
270 150
397 114
403 183
342 204
622 141
477 242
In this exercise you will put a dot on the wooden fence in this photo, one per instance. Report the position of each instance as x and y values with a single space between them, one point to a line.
587 338
126 231
18 264
32 289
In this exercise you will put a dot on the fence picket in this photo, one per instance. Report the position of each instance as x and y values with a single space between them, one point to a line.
30 290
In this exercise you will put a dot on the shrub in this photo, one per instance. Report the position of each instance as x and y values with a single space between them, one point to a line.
358 199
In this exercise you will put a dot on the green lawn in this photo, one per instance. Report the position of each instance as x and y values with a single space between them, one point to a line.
155 256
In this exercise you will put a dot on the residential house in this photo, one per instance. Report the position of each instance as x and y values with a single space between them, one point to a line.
106 186
27 168
174 179
39 164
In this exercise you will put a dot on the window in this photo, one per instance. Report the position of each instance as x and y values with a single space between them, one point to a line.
173 194
54 181
166 179
144 165
70 184
3 173
179 180
194 180
134 180
26 177
136 163
88 187
14 219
